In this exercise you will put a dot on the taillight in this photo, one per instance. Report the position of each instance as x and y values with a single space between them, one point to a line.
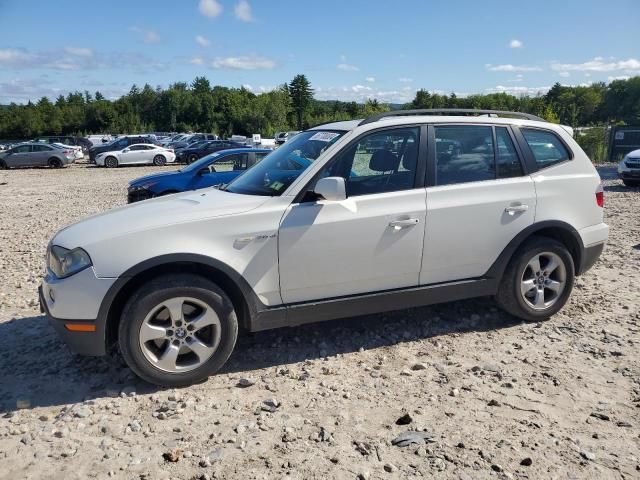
600 196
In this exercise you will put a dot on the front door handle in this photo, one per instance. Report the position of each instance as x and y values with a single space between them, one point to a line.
513 209
404 223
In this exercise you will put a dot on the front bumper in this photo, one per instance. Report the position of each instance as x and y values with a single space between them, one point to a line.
75 301
629 174
83 343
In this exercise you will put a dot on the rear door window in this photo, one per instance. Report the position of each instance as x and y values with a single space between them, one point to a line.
546 147
464 153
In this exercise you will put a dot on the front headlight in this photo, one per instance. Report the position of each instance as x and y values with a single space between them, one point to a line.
64 262
144 186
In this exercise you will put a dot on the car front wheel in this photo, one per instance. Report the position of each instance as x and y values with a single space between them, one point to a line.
111 162
538 280
177 330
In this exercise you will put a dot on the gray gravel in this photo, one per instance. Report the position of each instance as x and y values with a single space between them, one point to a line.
496 398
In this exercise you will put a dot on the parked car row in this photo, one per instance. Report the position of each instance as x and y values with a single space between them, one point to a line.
215 169
35 154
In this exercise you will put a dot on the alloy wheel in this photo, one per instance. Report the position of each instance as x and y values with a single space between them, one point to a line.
543 280
180 334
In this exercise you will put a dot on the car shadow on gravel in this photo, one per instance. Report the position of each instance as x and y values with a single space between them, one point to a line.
296 344
37 369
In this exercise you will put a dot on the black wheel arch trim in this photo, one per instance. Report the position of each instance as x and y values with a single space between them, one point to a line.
577 249
250 299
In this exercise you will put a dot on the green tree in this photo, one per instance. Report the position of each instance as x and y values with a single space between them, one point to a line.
301 96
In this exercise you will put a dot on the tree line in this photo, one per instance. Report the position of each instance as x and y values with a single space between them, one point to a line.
201 107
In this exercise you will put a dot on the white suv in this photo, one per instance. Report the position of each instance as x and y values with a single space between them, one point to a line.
402 209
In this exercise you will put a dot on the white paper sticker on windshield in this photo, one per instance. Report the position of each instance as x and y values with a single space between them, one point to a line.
324 136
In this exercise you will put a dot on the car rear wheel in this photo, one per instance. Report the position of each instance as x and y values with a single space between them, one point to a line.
177 330
54 162
3 166
630 183
191 159
111 162
159 160
538 280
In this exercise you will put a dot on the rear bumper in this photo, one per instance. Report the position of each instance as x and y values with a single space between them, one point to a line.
590 256
83 343
593 238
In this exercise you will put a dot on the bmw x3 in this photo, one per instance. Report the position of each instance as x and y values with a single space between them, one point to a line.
398 210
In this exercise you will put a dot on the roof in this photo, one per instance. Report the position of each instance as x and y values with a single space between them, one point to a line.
416 119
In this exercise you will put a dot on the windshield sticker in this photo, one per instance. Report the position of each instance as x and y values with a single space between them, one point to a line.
324 136
276 186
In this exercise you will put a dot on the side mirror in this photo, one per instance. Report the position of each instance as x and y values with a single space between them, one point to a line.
331 188
126 150
204 171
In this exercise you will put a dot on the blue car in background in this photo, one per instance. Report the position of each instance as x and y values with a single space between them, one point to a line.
215 169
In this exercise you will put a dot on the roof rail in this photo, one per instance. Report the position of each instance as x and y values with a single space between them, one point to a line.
450 111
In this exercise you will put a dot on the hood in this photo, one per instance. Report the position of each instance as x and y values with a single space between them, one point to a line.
158 212
633 154
152 177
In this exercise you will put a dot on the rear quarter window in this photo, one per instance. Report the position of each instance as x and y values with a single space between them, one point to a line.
546 147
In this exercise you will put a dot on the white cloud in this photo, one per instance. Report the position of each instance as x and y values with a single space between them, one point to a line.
210 8
15 57
252 62
196 61
512 68
517 90
370 79
79 51
362 93
405 80
259 89
346 67
243 11
564 74
619 77
202 41
515 44
598 64
148 36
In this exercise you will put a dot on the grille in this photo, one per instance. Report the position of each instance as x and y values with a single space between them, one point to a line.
139 195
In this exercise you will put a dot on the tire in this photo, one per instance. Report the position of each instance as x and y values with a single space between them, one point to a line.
146 313
630 183
111 162
3 166
159 161
54 162
520 286
191 159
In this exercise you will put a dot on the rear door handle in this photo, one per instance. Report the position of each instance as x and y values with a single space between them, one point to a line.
408 222
512 210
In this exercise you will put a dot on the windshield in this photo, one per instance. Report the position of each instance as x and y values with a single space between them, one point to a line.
280 168
203 162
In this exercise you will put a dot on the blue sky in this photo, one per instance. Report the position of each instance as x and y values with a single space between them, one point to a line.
349 50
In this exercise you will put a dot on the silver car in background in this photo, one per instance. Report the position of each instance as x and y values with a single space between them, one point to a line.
36 155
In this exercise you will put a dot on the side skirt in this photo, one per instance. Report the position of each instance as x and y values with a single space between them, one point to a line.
366 304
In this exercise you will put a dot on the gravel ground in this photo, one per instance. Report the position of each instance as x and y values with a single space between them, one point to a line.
489 396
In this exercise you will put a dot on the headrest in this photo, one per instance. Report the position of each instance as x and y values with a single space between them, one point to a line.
383 161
